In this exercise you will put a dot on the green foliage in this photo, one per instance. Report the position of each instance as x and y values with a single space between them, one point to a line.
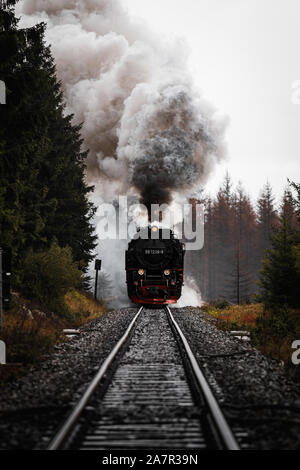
277 325
296 254
296 187
275 331
43 193
222 304
48 275
280 274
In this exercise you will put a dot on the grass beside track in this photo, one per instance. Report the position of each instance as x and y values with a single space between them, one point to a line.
273 336
31 333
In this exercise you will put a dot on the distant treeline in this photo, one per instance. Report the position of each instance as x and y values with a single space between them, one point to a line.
43 193
238 235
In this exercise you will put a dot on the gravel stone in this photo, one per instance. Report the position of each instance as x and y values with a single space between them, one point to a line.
148 404
36 403
253 390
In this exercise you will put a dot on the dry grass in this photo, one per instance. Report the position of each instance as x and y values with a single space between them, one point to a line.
30 334
83 306
274 343
241 316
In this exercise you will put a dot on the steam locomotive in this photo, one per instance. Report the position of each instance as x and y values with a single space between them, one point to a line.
155 267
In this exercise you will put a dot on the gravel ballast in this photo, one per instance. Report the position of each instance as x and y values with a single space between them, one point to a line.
148 404
36 403
253 390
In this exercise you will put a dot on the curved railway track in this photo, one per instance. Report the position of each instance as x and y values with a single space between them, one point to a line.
153 395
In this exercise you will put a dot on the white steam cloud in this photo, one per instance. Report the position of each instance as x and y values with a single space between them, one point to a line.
191 296
145 125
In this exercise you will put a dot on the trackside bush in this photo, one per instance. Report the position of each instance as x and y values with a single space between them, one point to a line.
48 275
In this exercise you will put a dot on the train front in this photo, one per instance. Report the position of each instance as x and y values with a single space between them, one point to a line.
155 267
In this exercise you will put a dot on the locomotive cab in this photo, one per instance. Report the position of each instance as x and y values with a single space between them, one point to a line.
154 267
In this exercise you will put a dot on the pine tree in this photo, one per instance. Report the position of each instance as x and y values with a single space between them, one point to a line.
297 208
297 201
242 276
200 263
280 275
289 208
223 227
43 193
266 219
207 260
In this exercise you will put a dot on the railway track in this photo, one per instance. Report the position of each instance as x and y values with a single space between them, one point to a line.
153 395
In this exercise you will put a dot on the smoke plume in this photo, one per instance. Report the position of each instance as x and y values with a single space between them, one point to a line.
143 122
148 130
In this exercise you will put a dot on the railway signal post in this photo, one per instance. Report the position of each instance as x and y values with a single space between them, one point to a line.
1 289
98 264
5 274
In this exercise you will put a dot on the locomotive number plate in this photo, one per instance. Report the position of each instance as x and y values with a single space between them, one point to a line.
154 252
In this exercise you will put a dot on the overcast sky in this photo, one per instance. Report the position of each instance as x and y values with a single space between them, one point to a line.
245 55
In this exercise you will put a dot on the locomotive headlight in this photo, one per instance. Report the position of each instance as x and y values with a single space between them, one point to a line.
155 229
167 272
141 272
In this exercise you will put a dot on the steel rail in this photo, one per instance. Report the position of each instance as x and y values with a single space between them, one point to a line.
228 440
70 422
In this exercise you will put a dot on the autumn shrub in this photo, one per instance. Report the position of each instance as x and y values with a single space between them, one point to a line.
274 330
27 345
29 335
48 275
